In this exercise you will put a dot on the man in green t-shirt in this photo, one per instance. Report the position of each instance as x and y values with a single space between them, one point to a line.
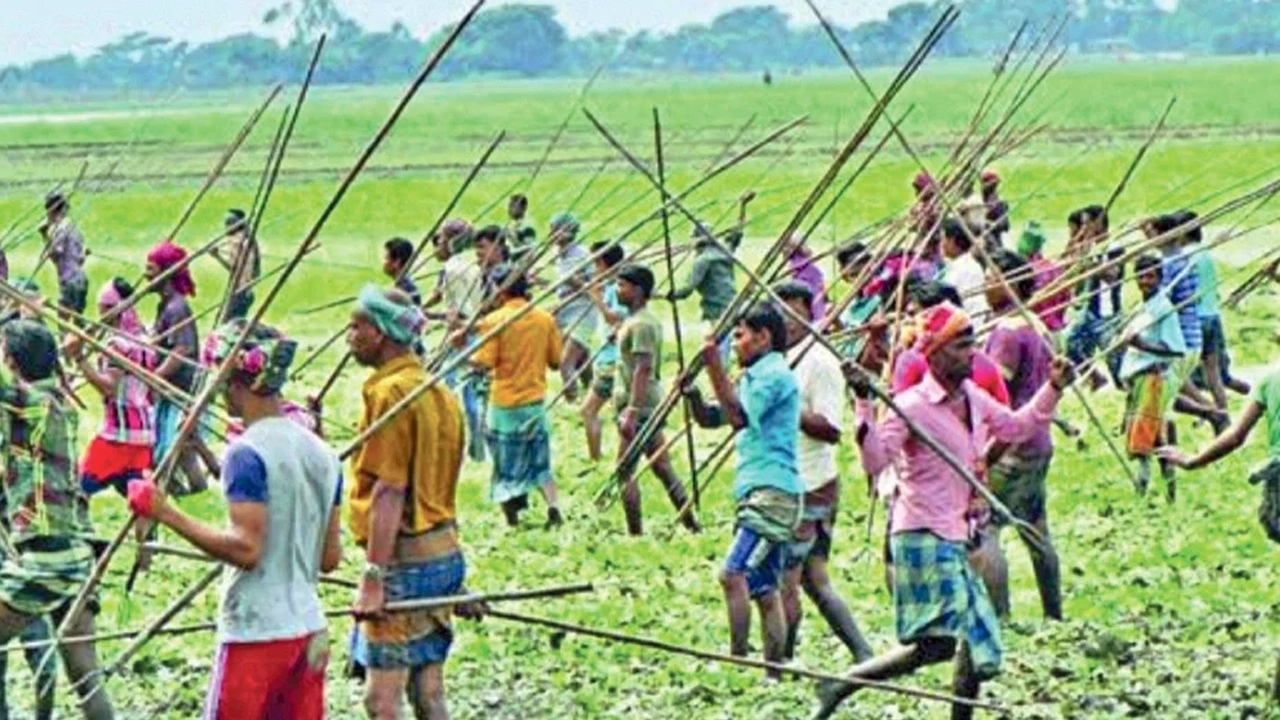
637 393
1264 402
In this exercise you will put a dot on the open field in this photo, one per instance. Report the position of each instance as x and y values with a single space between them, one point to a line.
1172 612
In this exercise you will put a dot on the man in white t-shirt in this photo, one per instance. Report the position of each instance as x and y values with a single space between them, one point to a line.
963 271
283 486
822 401
460 286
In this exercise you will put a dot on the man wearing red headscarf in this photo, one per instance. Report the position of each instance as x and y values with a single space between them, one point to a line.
178 340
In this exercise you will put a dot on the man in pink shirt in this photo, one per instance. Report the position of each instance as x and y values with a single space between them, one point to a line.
942 607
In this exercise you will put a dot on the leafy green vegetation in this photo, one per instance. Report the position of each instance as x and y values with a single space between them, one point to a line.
1171 611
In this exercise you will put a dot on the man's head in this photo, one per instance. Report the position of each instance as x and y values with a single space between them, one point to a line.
30 350
237 221
491 246
956 240
1018 275
1032 241
799 300
927 295
510 281
853 260
702 235
564 229
1165 228
384 325
635 285
453 237
112 295
990 182
260 367
517 207
947 342
162 259
1150 273
396 256
608 254
923 185
1191 231
56 206
760 331
795 245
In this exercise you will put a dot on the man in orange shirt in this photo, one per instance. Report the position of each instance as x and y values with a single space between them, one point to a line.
519 358
403 509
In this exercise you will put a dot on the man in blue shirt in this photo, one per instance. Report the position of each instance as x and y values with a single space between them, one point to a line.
764 409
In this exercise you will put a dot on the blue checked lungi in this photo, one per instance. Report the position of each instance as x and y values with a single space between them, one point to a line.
520 443
937 594
475 402
408 640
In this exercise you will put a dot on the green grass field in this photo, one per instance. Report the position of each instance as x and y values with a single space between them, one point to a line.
1171 611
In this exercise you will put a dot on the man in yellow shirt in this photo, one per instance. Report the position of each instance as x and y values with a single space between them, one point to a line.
403 509
519 358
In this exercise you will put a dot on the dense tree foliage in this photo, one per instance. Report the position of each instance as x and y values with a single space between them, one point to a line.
529 41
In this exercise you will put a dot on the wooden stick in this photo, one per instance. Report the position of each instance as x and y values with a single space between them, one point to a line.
742 661
555 137
1137 160
391 608
671 274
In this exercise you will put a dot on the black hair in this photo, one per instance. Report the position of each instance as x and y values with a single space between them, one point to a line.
792 290
1017 273
1187 219
1146 262
850 254
1098 214
933 294
56 201
1164 224
510 279
640 276
955 230
612 254
399 249
123 287
766 316
32 348
492 233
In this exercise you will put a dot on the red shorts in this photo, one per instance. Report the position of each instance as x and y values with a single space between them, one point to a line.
105 460
277 680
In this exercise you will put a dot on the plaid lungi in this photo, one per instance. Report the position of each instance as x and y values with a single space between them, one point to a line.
409 640
1019 483
1145 410
937 594
48 572
520 444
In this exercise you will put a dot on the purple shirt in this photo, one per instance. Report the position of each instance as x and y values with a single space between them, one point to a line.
930 495
66 250
804 270
175 312
1024 357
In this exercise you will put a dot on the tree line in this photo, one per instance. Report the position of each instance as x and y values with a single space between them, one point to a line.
525 41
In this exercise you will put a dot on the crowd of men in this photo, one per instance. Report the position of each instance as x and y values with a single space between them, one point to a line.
975 340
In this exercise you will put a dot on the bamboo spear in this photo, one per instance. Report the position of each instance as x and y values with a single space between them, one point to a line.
742 661
169 463
671 274
933 37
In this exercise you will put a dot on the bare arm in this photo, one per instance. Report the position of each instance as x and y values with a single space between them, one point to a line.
105 382
386 514
240 544
332 543
819 428
1229 441
730 405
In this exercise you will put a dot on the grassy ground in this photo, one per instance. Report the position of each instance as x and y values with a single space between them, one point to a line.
1171 610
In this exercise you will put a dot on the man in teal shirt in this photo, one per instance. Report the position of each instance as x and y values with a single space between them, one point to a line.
764 409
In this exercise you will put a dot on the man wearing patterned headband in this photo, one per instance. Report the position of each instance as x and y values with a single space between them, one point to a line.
519 357
403 511
283 487
942 607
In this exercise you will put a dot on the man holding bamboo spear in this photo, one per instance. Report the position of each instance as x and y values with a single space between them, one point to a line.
178 354
942 608
283 487
65 247
403 511
240 242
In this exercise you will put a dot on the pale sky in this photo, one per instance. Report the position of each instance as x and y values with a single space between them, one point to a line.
31 30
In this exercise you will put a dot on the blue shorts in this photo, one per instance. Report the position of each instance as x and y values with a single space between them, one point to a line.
1215 339
168 421
758 558
411 640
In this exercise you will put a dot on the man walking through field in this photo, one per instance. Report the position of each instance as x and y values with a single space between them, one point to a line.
403 511
283 487
65 247
942 608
